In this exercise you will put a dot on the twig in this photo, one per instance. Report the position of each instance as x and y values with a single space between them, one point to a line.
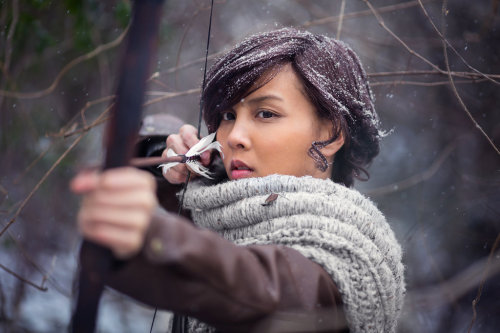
167 95
163 96
71 64
45 275
451 46
69 129
409 49
431 72
183 39
190 63
32 164
90 104
4 193
42 180
66 131
382 23
4 70
454 88
103 65
3 190
10 36
456 286
8 48
386 9
415 179
425 84
341 19
394 85
86 128
29 59
42 288
158 82
170 94
484 276
437 270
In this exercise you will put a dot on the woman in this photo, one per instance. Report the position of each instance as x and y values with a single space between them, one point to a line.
281 243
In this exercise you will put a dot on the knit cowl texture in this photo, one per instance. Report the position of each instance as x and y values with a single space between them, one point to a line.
332 225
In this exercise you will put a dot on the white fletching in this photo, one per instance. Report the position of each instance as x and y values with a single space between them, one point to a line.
203 145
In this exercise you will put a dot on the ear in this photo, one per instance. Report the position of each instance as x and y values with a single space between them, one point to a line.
332 148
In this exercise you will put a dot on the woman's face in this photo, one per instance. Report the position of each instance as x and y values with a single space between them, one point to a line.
271 130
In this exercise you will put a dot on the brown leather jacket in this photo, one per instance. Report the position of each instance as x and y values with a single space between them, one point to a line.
260 288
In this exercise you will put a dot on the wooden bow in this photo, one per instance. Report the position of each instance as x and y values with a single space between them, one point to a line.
121 135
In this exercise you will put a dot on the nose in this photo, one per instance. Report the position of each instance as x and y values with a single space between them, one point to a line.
239 137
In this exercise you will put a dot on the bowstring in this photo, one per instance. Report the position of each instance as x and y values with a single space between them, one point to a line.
200 113
200 116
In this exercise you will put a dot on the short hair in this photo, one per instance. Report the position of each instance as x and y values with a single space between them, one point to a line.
332 77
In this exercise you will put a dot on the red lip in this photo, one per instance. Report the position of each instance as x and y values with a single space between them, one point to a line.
240 170
237 164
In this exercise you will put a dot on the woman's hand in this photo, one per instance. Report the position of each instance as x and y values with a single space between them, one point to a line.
181 143
117 208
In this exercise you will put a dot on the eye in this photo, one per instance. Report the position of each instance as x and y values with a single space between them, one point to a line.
266 114
228 116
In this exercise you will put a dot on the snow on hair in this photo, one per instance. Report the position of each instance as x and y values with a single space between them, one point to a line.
332 77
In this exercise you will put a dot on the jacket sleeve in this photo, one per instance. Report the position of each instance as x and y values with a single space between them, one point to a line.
259 288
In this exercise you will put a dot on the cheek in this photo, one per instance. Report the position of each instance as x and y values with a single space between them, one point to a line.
289 149
221 136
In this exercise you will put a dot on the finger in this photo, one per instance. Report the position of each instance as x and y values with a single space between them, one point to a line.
126 178
123 199
176 143
189 135
177 174
94 217
124 243
84 182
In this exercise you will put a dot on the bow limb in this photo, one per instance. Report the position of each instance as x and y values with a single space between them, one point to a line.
121 135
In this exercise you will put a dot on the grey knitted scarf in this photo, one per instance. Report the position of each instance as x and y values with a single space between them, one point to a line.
332 225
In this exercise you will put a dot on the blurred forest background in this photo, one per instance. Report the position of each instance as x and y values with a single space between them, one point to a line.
434 68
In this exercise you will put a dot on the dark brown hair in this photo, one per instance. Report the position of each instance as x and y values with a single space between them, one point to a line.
333 79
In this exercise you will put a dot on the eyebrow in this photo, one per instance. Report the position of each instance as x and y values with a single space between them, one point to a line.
263 98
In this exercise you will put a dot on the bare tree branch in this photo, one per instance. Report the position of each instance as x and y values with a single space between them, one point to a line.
451 46
382 23
189 24
415 179
454 88
32 164
10 36
65 69
341 19
4 70
455 287
41 287
46 276
425 84
51 169
188 64
385 9
4 193
167 95
432 72
409 49
490 269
